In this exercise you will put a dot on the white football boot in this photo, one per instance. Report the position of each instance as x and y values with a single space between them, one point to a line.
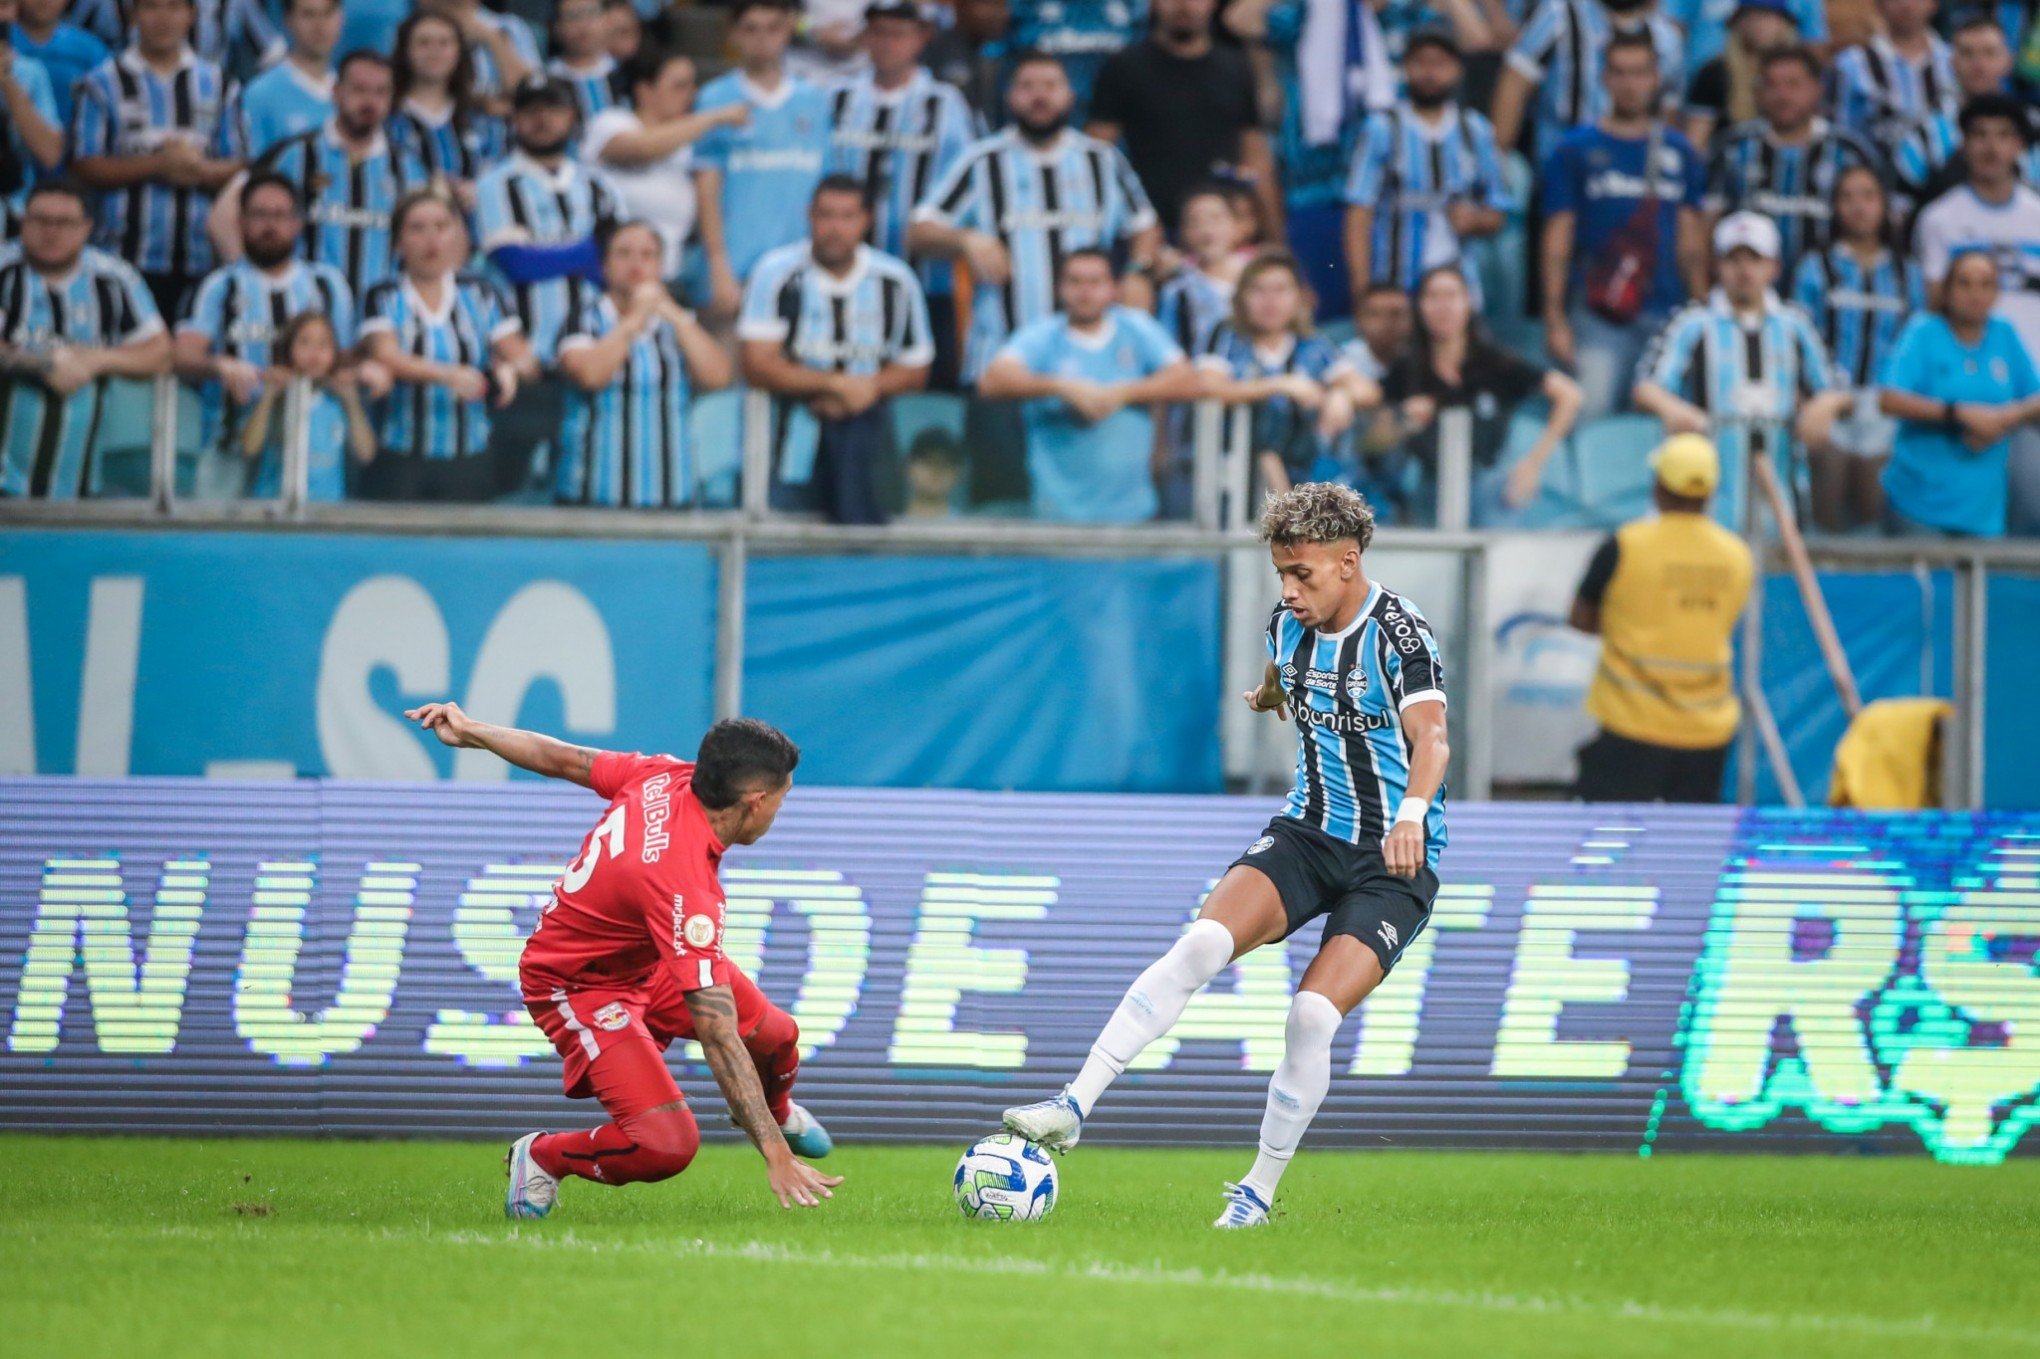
532 1191
1243 1208
1053 1123
805 1136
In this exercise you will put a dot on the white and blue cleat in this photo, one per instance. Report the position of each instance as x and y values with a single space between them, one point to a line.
1243 1208
805 1137
1053 1123
532 1192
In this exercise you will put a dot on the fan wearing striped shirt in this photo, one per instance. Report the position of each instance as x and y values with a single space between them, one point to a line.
1897 79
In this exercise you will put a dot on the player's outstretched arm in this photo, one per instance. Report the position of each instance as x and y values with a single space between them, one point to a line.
714 1009
525 749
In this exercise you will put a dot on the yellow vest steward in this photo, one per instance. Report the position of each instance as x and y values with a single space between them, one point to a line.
1667 620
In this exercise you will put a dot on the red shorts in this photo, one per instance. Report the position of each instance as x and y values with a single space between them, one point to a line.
613 1042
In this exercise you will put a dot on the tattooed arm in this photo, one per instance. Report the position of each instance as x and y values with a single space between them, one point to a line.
714 1009
525 749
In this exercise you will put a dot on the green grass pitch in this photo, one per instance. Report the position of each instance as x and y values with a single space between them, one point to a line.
141 1247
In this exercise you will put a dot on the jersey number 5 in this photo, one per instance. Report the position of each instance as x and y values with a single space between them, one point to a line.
609 831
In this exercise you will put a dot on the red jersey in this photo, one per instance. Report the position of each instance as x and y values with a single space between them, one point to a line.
643 892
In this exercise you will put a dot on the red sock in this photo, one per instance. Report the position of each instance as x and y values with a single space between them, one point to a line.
775 1046
642 1149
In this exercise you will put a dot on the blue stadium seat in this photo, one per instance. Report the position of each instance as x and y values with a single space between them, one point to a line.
715 425
1614 466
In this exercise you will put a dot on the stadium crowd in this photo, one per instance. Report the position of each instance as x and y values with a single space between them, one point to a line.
513 252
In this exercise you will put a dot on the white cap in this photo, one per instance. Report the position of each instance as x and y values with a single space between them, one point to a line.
1747 231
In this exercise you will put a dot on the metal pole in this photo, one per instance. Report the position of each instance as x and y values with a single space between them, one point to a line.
163 443
1207 455
1477 764
1455 468
297 443
731 562
755 487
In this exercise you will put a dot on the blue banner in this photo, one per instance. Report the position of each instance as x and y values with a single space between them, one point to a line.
205 956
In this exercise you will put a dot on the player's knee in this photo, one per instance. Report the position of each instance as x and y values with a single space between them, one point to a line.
777 1032
668 1137
1313 1022
1203 951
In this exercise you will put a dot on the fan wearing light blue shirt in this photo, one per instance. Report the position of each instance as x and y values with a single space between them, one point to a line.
1959 384
29 103
67 50
754 181
1088 376
295 95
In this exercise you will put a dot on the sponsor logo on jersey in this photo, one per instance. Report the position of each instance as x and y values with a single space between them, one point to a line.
658 800
700 931
1401 631
1324 681
1388 934
1260 844
611 1017
1344 723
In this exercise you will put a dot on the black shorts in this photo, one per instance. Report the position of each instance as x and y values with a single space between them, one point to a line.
1318 875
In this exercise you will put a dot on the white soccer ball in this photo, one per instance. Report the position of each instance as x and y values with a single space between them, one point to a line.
1005 1178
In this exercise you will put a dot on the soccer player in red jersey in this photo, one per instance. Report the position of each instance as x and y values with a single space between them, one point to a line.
629 956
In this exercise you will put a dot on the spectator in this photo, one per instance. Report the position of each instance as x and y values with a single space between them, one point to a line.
1198 296
831 49
501 46
70 316
1383 324
623 31
150 131
227 339
336 425
1623 245
455 351
1743 367
539 213
1333 68
1960 384
1711 27
348 175
1784 165
1021 200
28 110
296 95
1561 56
439 122
934 476
646 148
1929 159
635 357
1724 90
1859 292
1454 365
840 328
970 54
1884 87
1185 109
1081 34
897 131
1663 594
66 50
1427 176
581 55
1268 357
754 178
1088 375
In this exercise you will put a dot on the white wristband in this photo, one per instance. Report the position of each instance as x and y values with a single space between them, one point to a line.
1412 809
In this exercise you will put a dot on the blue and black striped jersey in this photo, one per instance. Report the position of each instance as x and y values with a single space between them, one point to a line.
455 148
594 89
521 202
1791 183
51 440
1409 173
1876 92
1347 691
1561 49
426 420
627 444
1859 310
126 108
241 309
897 143
347 201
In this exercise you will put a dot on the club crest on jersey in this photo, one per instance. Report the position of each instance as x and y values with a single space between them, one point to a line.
1260 844
1356 683
611 1017
700 931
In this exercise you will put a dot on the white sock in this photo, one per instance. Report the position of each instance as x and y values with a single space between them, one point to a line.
1152 1006
1296 1091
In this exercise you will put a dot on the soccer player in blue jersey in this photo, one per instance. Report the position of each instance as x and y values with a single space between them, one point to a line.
1357 844
834 329
1021 201
70 316
634 356
227 338
1089 375
349 174
296 95
150 129
753 180
1427 176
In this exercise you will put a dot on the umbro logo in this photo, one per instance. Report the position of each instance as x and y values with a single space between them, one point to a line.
1388 934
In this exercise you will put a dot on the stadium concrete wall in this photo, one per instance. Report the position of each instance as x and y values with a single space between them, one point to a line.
202 956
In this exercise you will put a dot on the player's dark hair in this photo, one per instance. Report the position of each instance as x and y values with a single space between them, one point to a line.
843 184
1793 54
739 754
258 180
1317 512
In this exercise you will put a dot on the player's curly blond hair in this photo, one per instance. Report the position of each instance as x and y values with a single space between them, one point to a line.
1317 512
